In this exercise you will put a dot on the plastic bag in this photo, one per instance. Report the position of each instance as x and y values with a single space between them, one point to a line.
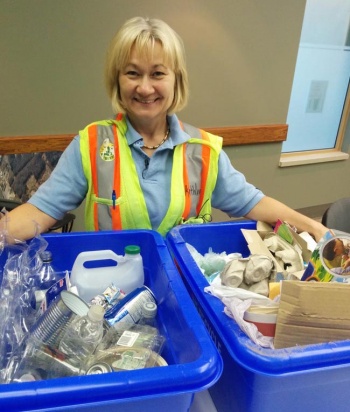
17 292
211 264
237 301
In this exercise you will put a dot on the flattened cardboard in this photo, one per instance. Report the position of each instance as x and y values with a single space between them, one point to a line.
312 312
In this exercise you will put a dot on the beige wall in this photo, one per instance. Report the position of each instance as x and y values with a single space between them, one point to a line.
241 57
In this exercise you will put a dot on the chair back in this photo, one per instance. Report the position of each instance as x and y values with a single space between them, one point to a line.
337 216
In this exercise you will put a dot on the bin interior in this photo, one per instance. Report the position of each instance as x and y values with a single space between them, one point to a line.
227 237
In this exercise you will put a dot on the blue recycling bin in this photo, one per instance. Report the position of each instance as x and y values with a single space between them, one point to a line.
255 379
194 363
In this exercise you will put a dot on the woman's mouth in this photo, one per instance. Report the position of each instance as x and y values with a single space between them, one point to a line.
145 101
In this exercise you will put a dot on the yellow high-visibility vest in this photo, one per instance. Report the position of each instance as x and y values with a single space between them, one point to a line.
109 168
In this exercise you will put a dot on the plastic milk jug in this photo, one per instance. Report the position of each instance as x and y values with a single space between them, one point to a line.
124 271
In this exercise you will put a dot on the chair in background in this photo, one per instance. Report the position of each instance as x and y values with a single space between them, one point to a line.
337 216
63 225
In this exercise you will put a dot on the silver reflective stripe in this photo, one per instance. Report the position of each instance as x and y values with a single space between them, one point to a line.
194 170
194 167
192 131
105 176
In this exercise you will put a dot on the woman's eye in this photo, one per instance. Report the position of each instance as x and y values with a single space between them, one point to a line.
131 73
158 75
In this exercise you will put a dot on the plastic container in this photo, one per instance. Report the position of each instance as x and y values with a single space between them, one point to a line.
48 276
148 314
82 336
194 364
263 318
93 271
47 273
314 377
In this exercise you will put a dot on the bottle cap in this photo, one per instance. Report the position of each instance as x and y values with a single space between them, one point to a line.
149 309
132 249
45 256
96 313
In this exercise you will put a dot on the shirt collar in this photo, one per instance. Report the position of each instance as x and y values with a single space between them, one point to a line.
176 137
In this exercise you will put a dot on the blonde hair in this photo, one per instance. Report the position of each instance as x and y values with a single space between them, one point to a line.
143 33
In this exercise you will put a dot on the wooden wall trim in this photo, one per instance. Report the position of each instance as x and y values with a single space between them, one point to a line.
233 136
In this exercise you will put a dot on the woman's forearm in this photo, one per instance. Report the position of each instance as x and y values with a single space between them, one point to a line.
270 210
24 221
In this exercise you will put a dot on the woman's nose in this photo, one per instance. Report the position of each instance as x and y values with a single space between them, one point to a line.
145 85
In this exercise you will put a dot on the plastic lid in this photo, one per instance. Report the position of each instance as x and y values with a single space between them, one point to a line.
96 313
27 377
132 249
46 256
149 309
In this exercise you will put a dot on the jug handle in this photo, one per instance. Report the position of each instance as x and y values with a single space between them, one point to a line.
95 255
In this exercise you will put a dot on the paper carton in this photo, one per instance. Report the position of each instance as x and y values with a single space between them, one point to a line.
256 245
312 312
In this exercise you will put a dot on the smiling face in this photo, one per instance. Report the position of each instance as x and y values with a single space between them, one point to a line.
147 86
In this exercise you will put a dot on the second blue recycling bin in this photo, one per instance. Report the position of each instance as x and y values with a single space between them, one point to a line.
255 379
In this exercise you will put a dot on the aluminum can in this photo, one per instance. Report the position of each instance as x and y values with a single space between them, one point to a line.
98 368
129 309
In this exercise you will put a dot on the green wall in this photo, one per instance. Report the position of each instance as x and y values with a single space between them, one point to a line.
240 54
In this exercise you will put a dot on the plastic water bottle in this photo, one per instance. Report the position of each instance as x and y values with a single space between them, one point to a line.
47 276
47 273
82 336
127 273
148 314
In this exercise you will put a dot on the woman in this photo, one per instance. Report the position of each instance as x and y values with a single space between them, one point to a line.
144 168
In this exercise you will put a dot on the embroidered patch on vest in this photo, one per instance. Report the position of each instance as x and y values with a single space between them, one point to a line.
107 150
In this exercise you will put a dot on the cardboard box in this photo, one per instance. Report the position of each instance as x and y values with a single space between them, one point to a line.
312 312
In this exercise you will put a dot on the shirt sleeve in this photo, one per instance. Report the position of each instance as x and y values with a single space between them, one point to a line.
66 187
233 194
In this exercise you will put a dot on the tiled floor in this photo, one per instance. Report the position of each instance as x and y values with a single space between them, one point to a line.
202 403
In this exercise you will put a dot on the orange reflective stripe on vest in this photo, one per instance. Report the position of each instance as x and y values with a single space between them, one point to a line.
206 150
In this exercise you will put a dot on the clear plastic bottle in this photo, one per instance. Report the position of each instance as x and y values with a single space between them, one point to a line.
82 336
47 277
47 273
148 314
37 361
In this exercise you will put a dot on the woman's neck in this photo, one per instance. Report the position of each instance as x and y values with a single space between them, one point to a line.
150 130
